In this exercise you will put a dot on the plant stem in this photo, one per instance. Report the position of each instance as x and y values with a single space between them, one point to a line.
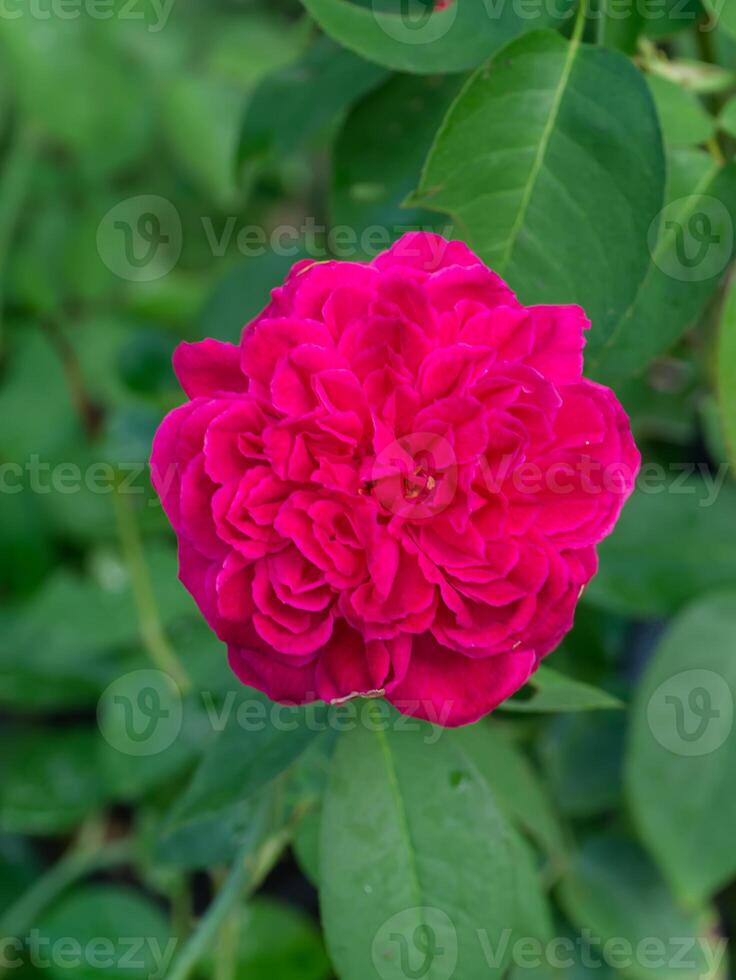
580 19
152 632
246 874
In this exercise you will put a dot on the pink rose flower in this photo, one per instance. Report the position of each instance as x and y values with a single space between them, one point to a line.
395 484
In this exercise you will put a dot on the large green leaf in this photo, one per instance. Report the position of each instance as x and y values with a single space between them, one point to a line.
415 859
682 751
416 38
690 252
551 164
674 542
614 890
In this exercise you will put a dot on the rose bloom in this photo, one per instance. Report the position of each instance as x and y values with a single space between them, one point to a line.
395 484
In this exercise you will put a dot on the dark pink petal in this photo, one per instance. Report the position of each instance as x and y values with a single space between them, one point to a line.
209 367
558 342
288 680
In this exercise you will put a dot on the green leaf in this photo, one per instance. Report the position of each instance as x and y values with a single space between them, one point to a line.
371 178
50 779
553 691
614 890
295 104
684 119
515 784
655 562
105 930
550 162
690 252
682 750
258 741
582 756
419 39
726 362
415 858
275 941
216 838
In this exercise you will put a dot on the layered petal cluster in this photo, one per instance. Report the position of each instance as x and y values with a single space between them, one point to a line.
395 484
